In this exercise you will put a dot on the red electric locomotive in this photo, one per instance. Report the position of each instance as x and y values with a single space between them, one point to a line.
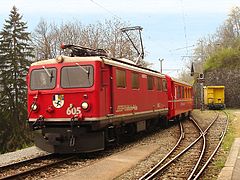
83 102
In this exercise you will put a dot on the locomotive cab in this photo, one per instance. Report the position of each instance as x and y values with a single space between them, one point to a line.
63 98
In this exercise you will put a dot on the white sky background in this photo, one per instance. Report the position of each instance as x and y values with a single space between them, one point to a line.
119 6
163 21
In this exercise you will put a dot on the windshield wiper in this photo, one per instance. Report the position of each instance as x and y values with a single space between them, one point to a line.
48 73
51 78
86 71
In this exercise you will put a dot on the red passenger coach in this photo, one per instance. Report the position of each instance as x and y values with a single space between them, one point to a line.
84 102
180 98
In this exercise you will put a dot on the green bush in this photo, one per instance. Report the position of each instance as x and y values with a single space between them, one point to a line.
226 57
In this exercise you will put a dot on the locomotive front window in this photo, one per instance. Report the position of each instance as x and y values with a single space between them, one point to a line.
80 76
44 78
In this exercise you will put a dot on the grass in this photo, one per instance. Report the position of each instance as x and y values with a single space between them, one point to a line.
222 154
232 133
233 128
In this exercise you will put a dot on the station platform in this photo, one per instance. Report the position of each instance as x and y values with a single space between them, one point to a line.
112 166
231 170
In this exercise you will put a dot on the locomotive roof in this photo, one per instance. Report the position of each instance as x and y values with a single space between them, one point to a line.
181 82
178 81
123 63
214 87
67 59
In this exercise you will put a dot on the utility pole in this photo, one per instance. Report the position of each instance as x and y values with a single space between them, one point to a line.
201 77
161 60
202 103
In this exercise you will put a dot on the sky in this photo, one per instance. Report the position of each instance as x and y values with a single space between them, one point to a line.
170 27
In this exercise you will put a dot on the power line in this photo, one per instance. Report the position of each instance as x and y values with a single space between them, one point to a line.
186 47
110 12
171 69
184 26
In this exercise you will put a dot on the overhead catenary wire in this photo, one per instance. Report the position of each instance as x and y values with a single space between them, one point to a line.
181 48
110 12
119 18
184 26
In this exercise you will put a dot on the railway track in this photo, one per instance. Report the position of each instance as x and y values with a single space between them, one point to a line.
152 171
47 166
174 165
168 167
27 167
215 137
189 162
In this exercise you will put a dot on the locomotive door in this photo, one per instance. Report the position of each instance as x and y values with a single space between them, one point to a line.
107 90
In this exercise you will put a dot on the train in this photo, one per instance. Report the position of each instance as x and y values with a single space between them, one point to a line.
85 101
214 97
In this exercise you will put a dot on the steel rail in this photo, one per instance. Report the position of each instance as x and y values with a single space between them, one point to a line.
148 174
174 158
19 163
181 153
27 172
202 152
215 150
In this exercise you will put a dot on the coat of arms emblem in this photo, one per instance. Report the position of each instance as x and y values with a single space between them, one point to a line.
58 100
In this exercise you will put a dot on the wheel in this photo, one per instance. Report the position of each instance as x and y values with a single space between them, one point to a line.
163 122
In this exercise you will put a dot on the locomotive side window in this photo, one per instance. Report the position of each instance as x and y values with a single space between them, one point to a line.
121 78
44 78
164 84
178 92
77 76
182 92
150 82
135 81
159 84
175 92
190 93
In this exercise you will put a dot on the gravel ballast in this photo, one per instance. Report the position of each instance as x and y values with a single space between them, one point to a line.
19 155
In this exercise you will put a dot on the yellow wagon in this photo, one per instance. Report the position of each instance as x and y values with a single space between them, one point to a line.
214 97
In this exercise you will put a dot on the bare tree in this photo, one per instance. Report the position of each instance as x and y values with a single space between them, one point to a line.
47 38
42 40
227 36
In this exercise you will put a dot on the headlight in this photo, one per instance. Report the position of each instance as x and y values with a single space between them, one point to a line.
34 106
59 59
85 105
